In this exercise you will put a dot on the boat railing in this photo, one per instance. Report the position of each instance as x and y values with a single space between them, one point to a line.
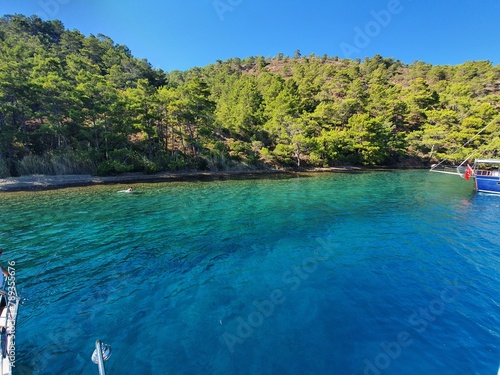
485 172
11 298
455 170
11 304
4 319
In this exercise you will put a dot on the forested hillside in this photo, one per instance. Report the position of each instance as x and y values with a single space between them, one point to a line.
71 103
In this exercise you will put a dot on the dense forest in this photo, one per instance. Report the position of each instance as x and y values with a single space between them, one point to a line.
71 103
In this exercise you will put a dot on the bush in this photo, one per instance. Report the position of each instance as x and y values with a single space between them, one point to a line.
316 160
35 164
56 164
151 167
72 163
126 157
113 167
217 161
4 169
178 164
283 154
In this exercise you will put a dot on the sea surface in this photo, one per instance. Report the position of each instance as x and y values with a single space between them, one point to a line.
393 272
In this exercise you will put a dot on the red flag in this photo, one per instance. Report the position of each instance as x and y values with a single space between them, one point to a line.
468 172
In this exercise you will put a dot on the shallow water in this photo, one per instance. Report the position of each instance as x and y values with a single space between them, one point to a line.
368 273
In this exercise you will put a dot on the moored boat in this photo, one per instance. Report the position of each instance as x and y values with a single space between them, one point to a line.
484 172
486 175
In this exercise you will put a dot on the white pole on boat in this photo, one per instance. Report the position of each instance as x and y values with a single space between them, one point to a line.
101 354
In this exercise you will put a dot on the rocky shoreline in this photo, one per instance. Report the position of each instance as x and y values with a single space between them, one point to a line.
45 182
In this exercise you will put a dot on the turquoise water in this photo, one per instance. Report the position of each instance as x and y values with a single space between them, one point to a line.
369 273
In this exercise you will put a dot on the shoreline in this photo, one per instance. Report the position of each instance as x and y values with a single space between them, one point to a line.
48 182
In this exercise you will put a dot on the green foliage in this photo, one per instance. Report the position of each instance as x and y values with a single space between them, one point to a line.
71 103
4 169
113 167
56 164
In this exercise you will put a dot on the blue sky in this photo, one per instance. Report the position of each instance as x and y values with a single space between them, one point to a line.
180 34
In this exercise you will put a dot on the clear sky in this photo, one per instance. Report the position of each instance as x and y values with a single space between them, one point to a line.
180 34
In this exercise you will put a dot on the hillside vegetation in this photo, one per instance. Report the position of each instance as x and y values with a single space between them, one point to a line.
76 104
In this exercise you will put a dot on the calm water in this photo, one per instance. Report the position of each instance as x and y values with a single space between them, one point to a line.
370 273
